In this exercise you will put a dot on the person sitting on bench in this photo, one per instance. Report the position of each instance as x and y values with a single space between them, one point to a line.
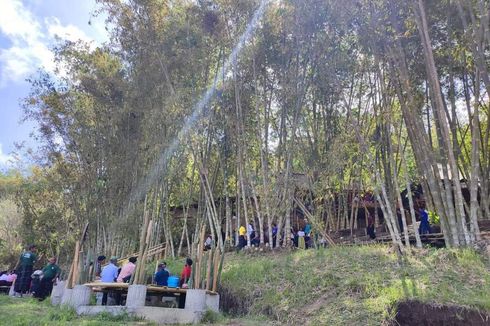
4 280
186 273
127 270
161 276
12 276
107 275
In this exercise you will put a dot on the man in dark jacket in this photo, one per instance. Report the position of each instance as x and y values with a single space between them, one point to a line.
25 267
161 276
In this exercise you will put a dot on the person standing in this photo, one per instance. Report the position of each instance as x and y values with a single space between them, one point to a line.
274 234
307 234
50 273
370 230
242 242
301 239
25 267
424 227
250 230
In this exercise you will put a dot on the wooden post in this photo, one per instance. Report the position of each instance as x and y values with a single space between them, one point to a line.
72 276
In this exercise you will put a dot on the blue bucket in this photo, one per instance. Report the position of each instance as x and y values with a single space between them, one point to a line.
173 282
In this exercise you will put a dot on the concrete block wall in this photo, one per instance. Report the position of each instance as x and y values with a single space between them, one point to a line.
197 302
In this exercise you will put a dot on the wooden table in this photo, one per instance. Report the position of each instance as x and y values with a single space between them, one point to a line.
150 288
154 290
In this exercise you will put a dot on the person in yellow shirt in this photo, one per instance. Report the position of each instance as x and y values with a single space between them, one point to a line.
242 242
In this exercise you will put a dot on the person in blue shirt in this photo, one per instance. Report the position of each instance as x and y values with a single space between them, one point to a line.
110 271
161 276
307 231
424 227
274 234
108 275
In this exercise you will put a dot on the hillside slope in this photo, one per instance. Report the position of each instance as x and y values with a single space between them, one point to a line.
350 285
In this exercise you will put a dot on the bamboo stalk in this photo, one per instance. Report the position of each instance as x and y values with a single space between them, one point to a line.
142 263
208 269
200 252
217 258
135 277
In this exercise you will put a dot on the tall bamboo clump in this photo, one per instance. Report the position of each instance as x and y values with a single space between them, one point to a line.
207 266
145 238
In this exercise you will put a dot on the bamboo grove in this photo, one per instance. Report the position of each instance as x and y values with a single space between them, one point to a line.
352 95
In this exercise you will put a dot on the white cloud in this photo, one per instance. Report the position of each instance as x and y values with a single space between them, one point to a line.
68 32
5 159
30 39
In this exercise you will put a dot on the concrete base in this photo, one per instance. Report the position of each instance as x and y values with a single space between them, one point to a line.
136 296
80 296
154 314
66 297
196 304
195 300
212 302
57 293
199 300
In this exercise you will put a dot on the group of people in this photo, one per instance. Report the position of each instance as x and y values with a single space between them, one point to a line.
111 273
25 279
421 212
300 237
7 278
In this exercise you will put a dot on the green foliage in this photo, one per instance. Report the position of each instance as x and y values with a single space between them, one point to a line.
211 317
315 79
434 218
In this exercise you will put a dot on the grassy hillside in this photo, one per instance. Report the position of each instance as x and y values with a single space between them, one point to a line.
334 286
351 285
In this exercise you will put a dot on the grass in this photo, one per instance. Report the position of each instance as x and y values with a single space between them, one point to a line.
352 285
333 286
30 312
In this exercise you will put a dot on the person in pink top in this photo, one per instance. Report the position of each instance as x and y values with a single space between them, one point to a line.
127 270
11 277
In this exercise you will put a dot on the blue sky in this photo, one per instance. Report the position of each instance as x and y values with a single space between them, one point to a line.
28 30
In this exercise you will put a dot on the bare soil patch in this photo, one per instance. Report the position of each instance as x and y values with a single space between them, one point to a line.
423 314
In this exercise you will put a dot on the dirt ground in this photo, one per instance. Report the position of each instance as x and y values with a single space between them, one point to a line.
422 314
